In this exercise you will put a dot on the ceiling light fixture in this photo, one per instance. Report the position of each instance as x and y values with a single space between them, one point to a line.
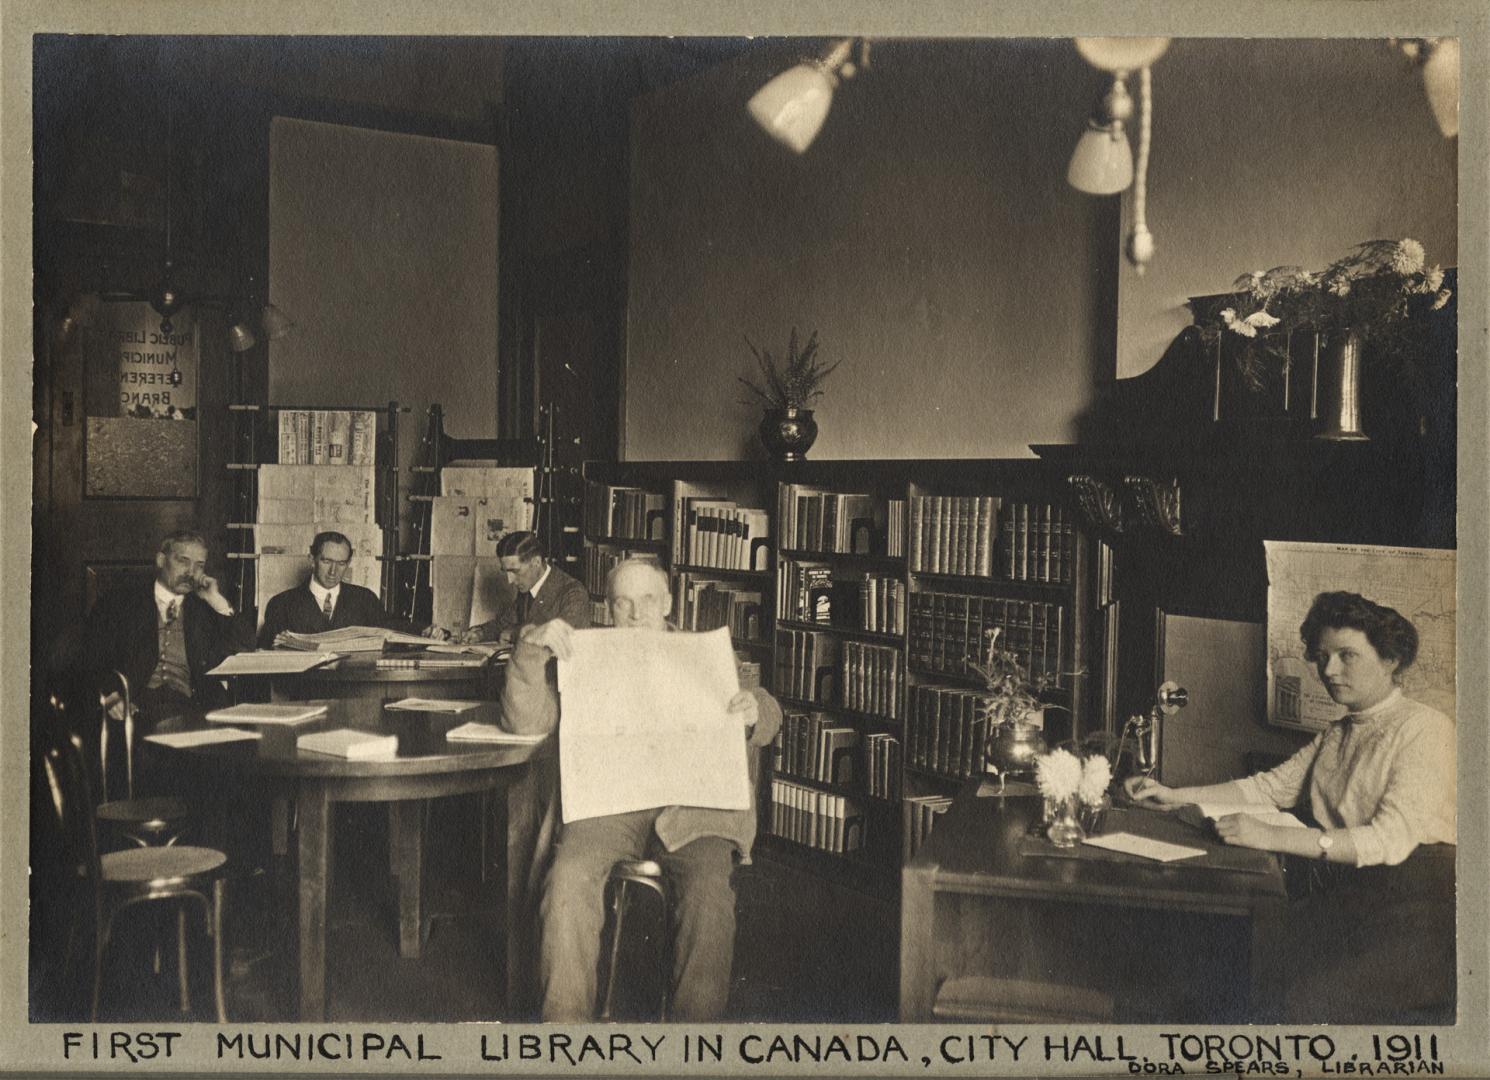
1439 59
791 107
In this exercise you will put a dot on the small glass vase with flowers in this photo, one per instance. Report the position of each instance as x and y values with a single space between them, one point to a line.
1075 793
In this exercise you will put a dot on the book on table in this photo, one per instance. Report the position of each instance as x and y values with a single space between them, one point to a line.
348 639
273 662
349 743
250 712
474 732
440 705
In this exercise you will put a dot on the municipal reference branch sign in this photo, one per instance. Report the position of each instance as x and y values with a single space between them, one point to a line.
139 371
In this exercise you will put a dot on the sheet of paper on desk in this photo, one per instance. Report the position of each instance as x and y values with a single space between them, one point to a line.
272 662
645 723
419 704
1268 815
201 738
474 732
1129 844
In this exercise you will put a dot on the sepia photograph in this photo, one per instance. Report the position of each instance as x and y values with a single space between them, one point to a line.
889 541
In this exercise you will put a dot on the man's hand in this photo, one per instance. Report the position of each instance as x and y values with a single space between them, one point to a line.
556 635
744 708
470 636
115 706
208 591
436 633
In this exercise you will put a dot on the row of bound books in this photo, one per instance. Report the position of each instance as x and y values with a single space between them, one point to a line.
599 561
882 765
816 520
708 605
722 534
863 601
871 678
327 437
814 746
625 513
947 731
954 534
949 631
816 818
806 665
921 812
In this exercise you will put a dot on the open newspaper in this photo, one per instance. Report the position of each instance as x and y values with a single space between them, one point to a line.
348 639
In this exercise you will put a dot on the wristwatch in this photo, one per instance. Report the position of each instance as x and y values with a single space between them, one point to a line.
1326 841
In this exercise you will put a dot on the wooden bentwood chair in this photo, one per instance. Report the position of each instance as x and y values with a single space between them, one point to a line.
148 822
123 879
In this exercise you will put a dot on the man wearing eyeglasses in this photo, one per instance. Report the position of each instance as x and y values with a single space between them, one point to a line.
325 601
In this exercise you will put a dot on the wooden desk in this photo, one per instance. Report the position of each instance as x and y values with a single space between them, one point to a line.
427 766
977 901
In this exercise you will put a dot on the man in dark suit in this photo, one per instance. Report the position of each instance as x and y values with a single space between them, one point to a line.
544 592
325 601
164 637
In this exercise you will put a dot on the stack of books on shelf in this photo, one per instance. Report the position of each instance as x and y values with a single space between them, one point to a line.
921 812
599 561
815 818
708 605
954 534
947 730
871 679
624 513
812 746
895 528
326 437
806 664
722 534
829 521
1037 542
882 766
863 601
949 631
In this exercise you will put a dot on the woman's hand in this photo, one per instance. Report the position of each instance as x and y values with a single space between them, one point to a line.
1147 789
1244 830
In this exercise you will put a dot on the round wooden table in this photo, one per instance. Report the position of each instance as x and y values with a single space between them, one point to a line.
360 677
426 766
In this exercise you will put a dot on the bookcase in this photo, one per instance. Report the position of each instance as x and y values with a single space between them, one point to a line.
862 590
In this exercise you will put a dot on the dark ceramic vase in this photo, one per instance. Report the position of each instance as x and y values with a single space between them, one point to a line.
788 433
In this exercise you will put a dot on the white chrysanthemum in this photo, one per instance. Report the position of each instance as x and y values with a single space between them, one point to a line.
1433 281
1260 320
1340 286
1408 257
1441 299
1096 774
1058 774
1239 326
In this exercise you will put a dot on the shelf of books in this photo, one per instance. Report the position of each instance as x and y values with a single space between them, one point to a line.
621 521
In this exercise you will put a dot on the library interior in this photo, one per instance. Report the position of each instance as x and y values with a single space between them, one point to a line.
744 529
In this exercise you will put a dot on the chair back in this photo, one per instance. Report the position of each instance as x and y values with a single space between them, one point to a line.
115 683
68 796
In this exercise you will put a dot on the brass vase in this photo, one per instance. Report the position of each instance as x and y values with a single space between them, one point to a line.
1013 746
788 434
1338 387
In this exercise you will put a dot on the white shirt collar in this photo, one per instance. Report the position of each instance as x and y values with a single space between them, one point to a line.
320 592
1380 707
533 592
164 598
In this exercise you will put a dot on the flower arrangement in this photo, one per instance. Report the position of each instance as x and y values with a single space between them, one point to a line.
1011 693
1058 774
794 384
1375 290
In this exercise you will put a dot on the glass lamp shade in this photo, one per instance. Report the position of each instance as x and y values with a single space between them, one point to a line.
276 323
791 107
1101 164
241 338
1441 81
1121 53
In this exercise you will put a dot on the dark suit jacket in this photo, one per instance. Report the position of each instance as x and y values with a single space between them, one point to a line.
121 636
296 610
561 597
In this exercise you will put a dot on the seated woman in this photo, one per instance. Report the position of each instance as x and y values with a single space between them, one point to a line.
1374 940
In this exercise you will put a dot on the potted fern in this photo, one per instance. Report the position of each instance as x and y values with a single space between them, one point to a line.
787 390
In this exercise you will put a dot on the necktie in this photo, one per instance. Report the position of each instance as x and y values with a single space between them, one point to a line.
524 602
173 611
327 608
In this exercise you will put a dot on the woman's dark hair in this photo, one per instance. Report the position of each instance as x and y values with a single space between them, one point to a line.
522 545
1389 632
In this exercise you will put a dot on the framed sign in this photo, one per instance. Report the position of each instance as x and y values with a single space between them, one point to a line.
140 399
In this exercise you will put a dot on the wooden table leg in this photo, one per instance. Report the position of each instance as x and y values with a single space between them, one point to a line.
917 945
406 861
525 804
314 829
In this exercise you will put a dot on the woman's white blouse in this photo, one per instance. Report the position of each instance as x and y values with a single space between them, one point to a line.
1385 774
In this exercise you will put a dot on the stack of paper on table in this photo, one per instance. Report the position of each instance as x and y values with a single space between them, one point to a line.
204 737
419 704
349 743
349 639
250 712
272 662
474 732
